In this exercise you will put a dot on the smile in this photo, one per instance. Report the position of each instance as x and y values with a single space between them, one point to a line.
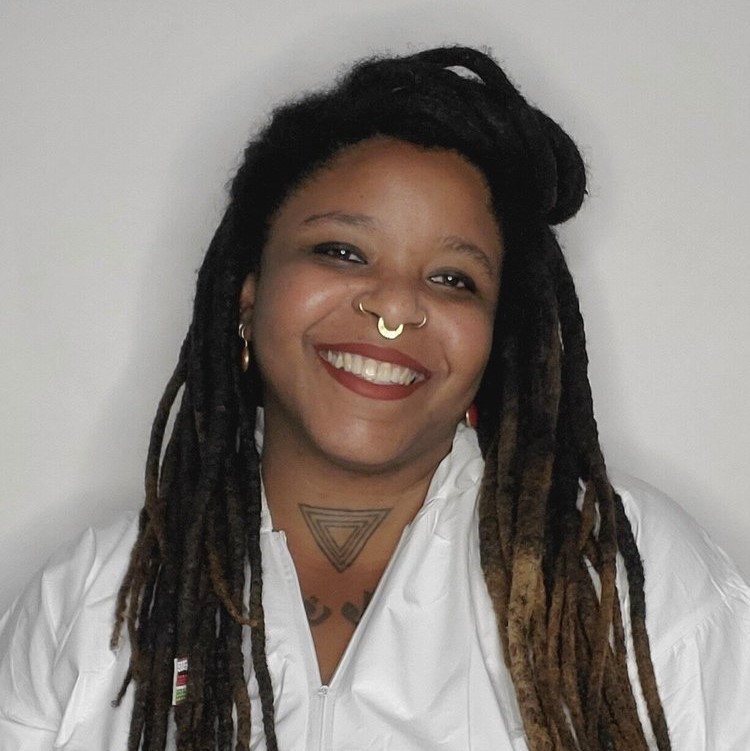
369 369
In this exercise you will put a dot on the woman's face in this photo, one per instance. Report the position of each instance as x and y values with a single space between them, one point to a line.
405 233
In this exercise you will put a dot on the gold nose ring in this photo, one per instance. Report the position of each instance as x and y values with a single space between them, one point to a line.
387 333
383 329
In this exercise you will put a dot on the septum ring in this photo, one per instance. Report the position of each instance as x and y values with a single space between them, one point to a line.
384 331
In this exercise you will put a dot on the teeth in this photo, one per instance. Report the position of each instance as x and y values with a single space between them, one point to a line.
375 371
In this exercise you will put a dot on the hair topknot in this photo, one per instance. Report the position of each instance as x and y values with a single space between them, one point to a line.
485 115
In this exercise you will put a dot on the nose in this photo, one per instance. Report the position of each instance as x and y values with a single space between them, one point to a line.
395 303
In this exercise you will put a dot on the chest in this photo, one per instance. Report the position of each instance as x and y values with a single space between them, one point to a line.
334 604
421 669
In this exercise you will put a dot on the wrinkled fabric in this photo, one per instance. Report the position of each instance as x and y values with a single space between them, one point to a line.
424 669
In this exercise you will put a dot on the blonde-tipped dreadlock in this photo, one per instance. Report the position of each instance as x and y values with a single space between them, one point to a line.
550 562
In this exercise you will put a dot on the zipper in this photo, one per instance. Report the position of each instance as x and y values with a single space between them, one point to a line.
324 694
322 701
317 691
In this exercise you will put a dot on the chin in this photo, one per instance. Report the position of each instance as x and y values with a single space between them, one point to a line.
367 462
374 449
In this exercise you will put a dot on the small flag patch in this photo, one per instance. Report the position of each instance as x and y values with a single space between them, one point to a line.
179 680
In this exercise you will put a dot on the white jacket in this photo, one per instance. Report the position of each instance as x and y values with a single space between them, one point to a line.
424 670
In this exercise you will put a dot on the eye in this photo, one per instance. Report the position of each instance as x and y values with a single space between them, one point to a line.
339 252
454 280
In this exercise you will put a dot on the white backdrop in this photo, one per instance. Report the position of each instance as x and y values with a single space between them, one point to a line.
122 122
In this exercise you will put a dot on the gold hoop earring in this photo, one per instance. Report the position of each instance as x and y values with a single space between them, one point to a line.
245 354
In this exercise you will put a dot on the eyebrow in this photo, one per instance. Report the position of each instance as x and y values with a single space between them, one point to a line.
342 217
470 249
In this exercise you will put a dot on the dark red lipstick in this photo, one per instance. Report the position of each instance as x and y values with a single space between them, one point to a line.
359 385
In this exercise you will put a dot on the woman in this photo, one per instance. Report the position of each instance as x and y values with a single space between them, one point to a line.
327 557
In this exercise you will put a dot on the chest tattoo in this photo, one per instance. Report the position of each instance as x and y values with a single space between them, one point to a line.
318 613
341 534
353 612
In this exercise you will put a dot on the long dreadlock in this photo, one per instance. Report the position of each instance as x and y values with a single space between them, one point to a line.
549 560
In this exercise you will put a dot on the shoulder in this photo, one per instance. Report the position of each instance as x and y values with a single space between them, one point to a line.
688 578
86 568
685 571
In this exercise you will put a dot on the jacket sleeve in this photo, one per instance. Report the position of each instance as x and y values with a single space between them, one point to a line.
698 619
55 638
29 705
705 679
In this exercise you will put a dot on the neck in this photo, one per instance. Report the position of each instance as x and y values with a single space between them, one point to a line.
304 487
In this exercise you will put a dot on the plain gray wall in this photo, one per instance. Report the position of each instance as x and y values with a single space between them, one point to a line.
122 123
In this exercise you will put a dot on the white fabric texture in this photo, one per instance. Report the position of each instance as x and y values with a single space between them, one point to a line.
424 669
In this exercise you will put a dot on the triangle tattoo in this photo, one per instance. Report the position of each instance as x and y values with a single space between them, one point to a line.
341 534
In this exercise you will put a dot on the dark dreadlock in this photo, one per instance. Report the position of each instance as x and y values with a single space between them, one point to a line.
549 561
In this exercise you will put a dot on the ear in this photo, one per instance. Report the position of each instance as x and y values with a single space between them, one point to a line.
247 299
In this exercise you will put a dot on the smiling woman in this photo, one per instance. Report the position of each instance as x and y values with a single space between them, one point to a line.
330 554
381 233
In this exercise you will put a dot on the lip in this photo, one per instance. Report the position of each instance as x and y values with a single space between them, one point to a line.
385 354
385 392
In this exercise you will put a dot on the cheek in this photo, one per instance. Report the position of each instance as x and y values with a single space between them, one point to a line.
470 344
289 303
282 299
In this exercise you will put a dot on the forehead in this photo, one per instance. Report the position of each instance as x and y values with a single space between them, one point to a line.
384 157
382 179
